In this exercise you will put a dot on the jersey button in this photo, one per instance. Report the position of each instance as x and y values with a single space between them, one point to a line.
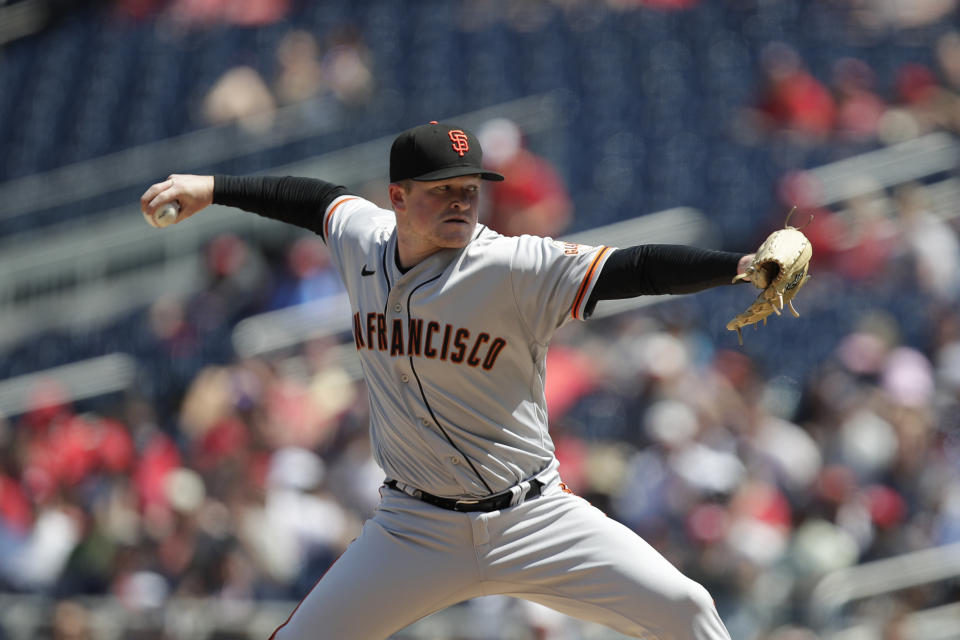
455 460
398 307
424 422
404 377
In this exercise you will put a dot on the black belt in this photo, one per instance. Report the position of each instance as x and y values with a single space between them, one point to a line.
493 503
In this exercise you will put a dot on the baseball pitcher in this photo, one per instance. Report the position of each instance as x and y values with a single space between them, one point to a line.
451 321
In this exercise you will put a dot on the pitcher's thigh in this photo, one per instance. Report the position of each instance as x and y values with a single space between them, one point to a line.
594 568
381 584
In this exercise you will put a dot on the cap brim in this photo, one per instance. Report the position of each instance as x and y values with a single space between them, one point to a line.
456 172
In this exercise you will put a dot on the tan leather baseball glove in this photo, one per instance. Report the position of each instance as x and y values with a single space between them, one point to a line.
780 269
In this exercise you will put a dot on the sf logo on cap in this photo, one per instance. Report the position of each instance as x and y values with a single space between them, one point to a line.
460 142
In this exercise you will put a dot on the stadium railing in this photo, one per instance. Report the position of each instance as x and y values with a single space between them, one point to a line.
837 590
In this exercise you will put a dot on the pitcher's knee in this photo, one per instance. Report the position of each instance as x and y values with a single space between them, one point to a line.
693 615
700 598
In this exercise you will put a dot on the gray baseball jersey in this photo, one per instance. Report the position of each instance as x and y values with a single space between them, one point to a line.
454 350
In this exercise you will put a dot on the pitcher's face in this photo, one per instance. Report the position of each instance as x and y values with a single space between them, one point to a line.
435 215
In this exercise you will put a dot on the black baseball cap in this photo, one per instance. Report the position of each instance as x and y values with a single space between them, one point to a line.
437 151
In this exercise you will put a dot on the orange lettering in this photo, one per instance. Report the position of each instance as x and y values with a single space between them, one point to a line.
396 338
371 318
446 342
459 141
428 350
473 360
381 332
415 329
461 347
495 348
357 330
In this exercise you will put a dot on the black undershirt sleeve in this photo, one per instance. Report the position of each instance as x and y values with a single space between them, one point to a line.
298 201
653 269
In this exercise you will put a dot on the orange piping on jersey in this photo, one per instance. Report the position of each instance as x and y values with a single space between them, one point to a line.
587 279
326 224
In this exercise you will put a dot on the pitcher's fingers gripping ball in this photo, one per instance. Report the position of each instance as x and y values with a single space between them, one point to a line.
165 216
780 269
175 199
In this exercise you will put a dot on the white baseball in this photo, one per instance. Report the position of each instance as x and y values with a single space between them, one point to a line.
167 214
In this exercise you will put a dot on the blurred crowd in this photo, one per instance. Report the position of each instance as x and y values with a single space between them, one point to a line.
852 106
306 73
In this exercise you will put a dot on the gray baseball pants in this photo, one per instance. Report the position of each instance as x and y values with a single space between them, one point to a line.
412 559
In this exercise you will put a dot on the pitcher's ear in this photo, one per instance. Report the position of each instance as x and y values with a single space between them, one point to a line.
398 196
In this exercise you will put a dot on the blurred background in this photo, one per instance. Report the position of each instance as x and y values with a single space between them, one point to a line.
183 444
